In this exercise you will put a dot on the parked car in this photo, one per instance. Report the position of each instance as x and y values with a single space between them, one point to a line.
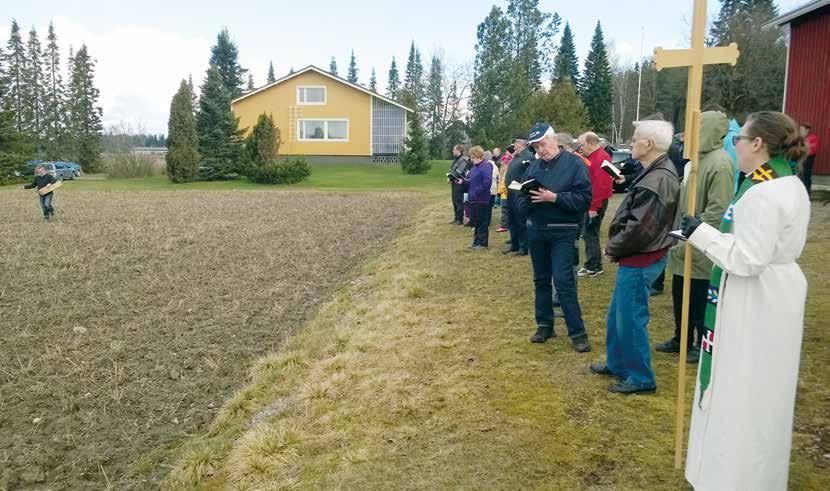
63 171
76 168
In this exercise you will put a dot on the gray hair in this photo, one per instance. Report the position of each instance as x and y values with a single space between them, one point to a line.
660 132
488 155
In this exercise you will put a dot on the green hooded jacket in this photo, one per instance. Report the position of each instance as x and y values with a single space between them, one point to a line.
715 190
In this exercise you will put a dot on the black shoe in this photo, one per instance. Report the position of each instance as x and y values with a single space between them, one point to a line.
693 355
581 344
670 346
627 389
522 252
509 251
655 292
542 335
601 369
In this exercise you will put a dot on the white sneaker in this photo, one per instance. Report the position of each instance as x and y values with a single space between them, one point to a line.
582 272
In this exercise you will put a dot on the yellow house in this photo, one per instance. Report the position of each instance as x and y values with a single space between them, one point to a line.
327 118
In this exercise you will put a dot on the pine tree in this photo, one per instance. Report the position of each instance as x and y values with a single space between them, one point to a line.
490 99
530 37
597 87
33 111
415 154
435 102
15 149
54 98
413 84
16 63
219 136
224 55
261 145
333 66
195 98
271 77
250 81
84 114
566 63
393 84
352 77
373 81
182 141
560 105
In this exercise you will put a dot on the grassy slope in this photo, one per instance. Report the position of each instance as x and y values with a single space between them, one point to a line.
419 375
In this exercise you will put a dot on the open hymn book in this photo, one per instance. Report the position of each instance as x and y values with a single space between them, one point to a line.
525 187
611 170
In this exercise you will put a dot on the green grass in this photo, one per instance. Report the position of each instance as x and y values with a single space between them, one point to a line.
330 177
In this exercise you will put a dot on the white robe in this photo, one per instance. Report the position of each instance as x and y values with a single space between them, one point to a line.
741 438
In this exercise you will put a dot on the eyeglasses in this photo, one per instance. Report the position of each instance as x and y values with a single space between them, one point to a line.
737 138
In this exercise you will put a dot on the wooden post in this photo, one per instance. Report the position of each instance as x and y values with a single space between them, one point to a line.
695 58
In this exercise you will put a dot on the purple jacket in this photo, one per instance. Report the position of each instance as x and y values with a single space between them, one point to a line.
478 183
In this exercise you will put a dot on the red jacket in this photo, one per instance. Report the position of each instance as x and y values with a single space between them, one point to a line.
601 184
812 144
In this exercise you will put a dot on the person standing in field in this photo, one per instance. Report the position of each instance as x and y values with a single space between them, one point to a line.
516 172
458 167
601 192
505 210
811 139
742 414
478 191
41 180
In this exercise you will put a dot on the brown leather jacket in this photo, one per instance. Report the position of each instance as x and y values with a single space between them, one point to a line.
644 218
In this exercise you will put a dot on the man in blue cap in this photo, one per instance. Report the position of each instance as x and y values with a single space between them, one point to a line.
554 212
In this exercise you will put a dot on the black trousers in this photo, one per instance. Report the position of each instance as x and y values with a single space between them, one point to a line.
458 202
590 234
806 173
480 216
697 307
517 225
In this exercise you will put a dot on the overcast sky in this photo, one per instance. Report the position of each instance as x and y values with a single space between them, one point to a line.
143 49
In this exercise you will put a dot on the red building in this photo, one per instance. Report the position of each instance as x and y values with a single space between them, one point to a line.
807 93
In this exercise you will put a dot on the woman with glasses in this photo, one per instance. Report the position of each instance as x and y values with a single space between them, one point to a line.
742 414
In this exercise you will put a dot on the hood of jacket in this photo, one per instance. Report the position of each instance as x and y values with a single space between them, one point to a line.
713 128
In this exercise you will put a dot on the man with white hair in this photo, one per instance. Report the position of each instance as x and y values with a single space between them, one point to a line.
638 240
553 213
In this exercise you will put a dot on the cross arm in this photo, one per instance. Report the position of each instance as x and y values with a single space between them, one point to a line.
670 58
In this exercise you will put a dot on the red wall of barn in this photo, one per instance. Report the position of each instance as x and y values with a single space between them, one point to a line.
808 79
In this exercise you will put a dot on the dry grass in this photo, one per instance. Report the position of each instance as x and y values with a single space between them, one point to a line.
420 376
128 320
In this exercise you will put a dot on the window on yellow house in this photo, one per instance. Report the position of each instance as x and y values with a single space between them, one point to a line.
311 95
323 129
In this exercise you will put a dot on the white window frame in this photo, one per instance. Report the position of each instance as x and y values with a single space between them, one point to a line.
325 95
325 138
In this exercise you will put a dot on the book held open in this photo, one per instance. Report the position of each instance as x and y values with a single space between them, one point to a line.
525 187
611 170
678 234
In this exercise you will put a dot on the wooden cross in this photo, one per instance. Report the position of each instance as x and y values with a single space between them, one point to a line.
695 58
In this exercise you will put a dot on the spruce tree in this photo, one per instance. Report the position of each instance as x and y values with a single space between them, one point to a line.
261 145
271 77
224 55
15 149
192 91
16 62
566 63
333 66
250 81
33 78
597 87
352 77
219 136
182 140
54 98
489 101
413 84
373 81
83 111
435 104
415 154
393 84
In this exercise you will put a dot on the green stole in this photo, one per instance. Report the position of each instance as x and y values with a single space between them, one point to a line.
775 168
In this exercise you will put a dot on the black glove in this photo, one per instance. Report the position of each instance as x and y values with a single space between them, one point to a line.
689 225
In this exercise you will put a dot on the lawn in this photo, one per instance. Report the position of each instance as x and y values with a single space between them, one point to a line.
419 375
329 177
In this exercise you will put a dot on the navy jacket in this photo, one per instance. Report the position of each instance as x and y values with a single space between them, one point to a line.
479 182
567 176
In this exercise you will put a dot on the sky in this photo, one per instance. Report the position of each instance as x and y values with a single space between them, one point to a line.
144 49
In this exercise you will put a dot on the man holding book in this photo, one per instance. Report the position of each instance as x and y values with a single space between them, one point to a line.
554 197
457 171
638 239
601 192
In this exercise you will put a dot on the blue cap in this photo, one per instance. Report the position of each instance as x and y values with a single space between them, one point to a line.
539 131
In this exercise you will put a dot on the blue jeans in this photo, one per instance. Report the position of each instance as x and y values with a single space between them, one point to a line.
628 349
46 205
552 254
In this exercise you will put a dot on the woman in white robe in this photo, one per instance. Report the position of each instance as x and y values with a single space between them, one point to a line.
741 430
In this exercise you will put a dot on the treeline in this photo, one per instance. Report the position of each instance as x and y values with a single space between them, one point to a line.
115 141
46 112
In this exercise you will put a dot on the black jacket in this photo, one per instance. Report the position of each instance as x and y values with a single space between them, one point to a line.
517 169
645 217
460 166
567 176
41 182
